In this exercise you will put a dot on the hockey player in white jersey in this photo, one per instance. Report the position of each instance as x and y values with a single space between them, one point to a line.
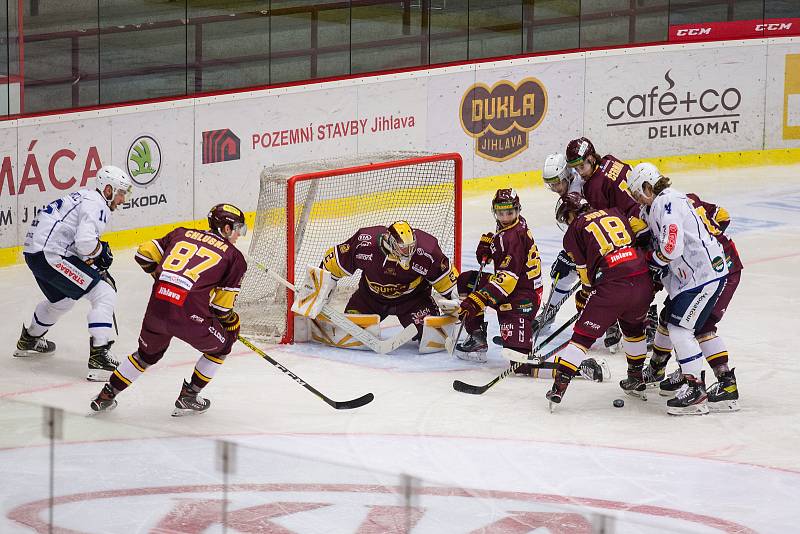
692 267
68 260
560 179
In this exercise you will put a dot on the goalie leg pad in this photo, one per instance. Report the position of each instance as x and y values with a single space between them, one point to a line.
325 332
435 331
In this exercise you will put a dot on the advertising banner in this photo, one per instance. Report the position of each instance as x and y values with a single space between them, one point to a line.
783 96
649 102
735 29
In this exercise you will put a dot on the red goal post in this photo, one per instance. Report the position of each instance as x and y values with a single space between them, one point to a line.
305 208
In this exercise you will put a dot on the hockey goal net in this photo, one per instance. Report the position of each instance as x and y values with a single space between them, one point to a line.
305 208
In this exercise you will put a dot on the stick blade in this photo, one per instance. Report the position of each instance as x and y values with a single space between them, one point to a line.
463 387
354 403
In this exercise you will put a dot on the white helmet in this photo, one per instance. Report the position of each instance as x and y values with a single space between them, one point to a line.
642 173
116 178
555 169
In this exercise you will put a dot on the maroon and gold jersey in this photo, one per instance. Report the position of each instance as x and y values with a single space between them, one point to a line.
194 269
608 188
382 275
517 267
717 220
601 241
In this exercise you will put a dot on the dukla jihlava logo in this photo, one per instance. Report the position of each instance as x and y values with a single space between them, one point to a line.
500 117
144 160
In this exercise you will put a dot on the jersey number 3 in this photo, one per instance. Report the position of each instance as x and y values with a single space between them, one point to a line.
183 252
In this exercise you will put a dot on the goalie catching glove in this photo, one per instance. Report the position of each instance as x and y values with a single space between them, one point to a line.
312 296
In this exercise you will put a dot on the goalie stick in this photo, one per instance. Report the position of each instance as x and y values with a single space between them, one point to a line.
339 405
463 387
340 319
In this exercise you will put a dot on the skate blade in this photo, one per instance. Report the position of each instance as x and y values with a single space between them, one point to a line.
727 406
98 375
553 406
181 412
641 395
94 412
694 409
479 357
24 353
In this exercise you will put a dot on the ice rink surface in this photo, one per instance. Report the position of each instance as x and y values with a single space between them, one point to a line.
491 463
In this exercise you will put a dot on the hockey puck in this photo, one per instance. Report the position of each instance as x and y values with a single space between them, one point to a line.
619 403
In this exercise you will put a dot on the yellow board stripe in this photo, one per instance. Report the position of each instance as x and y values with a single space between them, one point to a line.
201 376
473 187
118 375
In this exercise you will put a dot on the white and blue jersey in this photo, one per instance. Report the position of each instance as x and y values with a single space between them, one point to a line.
694 256
69 226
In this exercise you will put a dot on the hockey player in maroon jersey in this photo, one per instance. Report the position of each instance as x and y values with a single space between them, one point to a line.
399 268
605 186
514 290
616 282
724 394
197 275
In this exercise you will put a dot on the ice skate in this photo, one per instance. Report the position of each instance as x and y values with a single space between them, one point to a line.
671 384
101 362
105 401
474 349
723 395
691 398
595 370
634 384
652 377
613 338
28 345
189 402
556 393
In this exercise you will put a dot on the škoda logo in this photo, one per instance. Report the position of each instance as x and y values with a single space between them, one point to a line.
500 117
220 145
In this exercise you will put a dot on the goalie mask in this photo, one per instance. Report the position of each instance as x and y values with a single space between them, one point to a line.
223 214
506 207
400 242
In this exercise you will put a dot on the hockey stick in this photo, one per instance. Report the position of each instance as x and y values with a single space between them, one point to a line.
105 275
552 288
463 387
339 405
450 344
341 320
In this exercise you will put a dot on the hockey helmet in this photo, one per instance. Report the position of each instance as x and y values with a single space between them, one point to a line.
401 242
505 200
555 169
578 150
116 178
223 214
570 203
643 173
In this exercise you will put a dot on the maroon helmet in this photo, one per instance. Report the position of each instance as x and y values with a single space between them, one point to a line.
578 149
223 214
570 203
506 199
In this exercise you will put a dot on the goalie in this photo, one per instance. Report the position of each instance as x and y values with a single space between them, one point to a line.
400 267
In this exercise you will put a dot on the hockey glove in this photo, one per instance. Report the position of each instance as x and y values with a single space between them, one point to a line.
471 306
562 266
230 321
657 270
484 251
105 258
582 297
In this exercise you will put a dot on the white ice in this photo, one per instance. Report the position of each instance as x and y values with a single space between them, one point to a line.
499 462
